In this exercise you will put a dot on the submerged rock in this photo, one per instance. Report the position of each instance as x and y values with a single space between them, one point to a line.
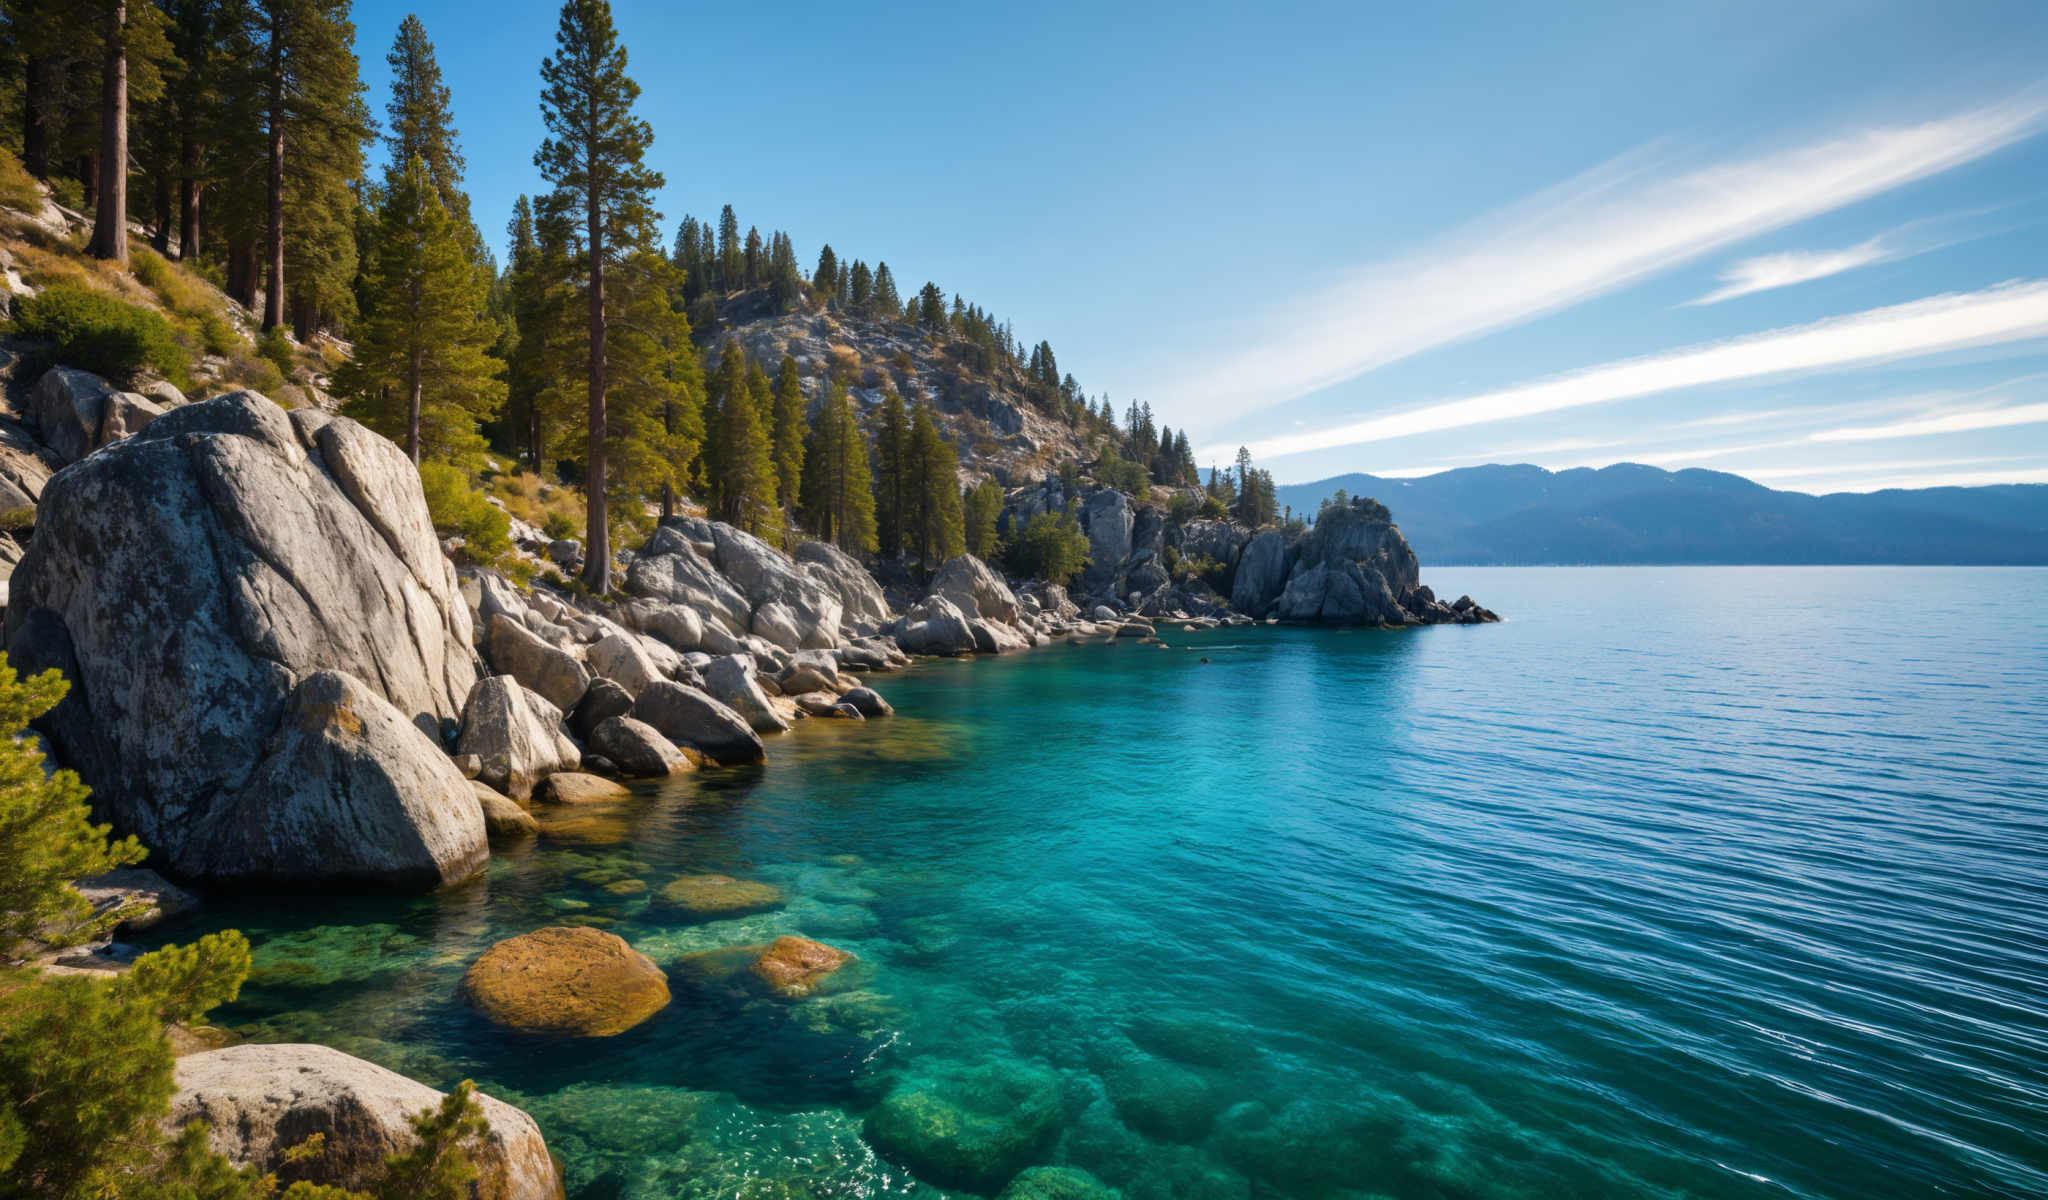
261 1101
189 580
569 981
576 787
1057 1183
718 897
794 967
970 1127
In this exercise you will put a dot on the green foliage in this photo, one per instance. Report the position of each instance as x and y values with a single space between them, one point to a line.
1183 507
1213 510
95 332
838 503
47 838
791 430
1210 571
276 349
422 374
932 518
18 189
980 506
655 409
739 466
216 336
1051 547
439 1168
557 527
180 983
459 510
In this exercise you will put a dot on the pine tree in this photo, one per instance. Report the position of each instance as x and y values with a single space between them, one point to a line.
980 507
931 307
551 331
863 288
310 96
420 118
422 373
888 304
754 258
825 280
934 526
838 502
656 401
892 474
132 45
740 466
785 281
791 431
731 270
593 156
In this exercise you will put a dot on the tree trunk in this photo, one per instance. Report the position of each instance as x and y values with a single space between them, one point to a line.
597 546
110 219
166 214
242 274
89 181
188 200
273 286
412 410
35 118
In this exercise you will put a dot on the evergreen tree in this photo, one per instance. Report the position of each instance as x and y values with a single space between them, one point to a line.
731 270
838 503
656 402
422 374
888 304
754 258
593 156
934 521
550 341
421 121
845 288
1051 547
931 307
825 280
740 466
980 507
892 474
863 288
791 431
130 39
785 281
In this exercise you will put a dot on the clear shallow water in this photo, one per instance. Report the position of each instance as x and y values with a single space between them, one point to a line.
1684 882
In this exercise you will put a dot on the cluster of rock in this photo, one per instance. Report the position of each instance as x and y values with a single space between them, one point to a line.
1352 567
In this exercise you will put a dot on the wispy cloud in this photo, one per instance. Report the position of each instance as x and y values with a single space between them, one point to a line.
1952 422
1769 271
2007 313
1617 224
1884 482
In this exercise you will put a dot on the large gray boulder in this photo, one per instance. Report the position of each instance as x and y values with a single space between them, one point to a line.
189 579
515 650
620 658
1220 540
76 412
975 590
25 467
728 575
685 715
934 626
866 609
259 1101
1106 518
675 625
730 680
674 570
518 735
637 748
1261 573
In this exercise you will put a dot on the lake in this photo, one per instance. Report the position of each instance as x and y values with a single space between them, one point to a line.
1715 882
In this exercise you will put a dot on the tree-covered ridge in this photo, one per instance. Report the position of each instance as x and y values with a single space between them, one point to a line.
605 353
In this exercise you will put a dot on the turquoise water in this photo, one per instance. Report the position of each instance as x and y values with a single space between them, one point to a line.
1706 883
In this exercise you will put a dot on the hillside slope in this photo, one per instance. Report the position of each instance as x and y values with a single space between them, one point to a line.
1630 513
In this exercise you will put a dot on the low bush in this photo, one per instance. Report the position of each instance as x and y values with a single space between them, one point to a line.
459 510
276 349
97 333
18 188
217 335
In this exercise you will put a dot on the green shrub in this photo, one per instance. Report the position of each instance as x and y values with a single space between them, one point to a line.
1213 510
557 527
459 510
18 188
68 192
217 336
95 332
276 349
1051 547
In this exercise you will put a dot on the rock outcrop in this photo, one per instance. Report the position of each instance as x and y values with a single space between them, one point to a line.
77 413
261 1101
190 580
687 716
742 586
517 734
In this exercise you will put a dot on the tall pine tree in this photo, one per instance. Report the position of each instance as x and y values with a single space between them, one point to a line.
838 503
790 431
593 156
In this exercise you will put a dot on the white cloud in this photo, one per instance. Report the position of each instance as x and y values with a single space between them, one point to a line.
1768 271
1953 422
1612 226
2007 313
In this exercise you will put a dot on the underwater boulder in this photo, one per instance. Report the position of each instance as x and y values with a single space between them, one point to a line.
569 981
971 1127
1057 1183
719 897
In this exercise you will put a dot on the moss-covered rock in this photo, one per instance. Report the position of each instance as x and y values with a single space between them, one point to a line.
717 897
1058 1183
969 1126
569 981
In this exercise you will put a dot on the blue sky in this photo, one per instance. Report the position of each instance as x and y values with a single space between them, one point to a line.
1803 242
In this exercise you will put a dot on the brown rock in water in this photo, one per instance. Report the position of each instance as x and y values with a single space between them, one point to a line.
793 967
570 981
575 787
503 818
716 897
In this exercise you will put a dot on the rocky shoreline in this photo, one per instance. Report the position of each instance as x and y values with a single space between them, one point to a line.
283 678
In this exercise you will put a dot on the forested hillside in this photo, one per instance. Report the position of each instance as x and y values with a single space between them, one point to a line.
325 249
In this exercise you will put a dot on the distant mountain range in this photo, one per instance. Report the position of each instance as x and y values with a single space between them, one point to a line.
1629 514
